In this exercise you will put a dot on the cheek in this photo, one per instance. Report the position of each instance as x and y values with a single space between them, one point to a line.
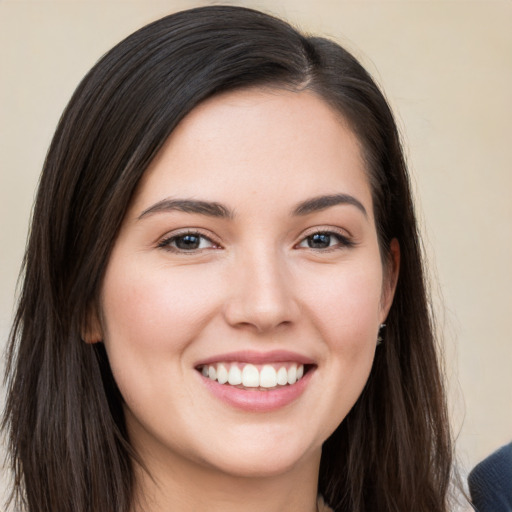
347 305
151 310
345 308
149 320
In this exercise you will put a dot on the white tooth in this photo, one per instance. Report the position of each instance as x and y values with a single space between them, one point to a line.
292 374
300 371
234 375
222 374
282 376
250 376
268 377
212 372
204 371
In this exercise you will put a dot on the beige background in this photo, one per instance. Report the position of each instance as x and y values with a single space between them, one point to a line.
446 67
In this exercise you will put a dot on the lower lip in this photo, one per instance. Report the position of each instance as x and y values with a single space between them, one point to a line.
253 400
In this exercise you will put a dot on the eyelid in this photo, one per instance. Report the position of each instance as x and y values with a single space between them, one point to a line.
346 239
165 241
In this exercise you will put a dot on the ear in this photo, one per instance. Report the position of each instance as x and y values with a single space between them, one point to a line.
92 331
391 271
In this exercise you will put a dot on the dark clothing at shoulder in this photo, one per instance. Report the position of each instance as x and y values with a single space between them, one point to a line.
490 482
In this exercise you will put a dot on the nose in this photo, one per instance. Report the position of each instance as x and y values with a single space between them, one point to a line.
261 296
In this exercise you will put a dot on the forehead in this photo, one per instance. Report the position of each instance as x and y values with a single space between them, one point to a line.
268 142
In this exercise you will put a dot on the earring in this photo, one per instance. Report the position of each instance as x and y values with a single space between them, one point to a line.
379 337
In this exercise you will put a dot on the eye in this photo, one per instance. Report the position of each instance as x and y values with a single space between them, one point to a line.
325 240
187 242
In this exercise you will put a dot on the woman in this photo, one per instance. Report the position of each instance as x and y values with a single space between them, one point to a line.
222 229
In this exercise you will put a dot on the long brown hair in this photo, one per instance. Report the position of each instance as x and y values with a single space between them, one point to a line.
67 438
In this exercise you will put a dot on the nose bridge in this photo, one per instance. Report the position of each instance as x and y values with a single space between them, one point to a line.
262 294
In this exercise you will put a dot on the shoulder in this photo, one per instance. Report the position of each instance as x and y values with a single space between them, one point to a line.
490 481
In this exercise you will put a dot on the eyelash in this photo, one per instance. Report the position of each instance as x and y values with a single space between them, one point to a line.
343 241
167 243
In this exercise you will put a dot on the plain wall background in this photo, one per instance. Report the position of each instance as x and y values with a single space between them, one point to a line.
446 67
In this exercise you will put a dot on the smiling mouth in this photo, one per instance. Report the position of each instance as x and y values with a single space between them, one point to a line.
248 376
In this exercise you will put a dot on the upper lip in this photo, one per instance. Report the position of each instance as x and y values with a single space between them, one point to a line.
255 357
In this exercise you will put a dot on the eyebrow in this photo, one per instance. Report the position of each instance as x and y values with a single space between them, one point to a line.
214 209
322 202
211 209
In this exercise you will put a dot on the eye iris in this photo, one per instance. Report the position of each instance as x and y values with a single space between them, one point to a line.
188 242
319 241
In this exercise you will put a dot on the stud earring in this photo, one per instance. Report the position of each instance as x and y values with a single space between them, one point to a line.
379 337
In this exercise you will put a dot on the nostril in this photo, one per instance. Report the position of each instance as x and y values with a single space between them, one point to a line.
261 307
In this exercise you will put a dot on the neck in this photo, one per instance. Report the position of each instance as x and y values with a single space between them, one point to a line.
183 486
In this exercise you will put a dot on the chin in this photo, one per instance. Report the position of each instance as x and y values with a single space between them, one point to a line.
259 467
264 456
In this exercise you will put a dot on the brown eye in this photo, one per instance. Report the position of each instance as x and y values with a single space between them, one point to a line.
187 242
319 241
325 240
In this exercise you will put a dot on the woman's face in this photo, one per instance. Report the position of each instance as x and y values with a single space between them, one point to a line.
248 257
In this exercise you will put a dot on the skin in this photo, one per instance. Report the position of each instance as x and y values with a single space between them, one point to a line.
254 283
